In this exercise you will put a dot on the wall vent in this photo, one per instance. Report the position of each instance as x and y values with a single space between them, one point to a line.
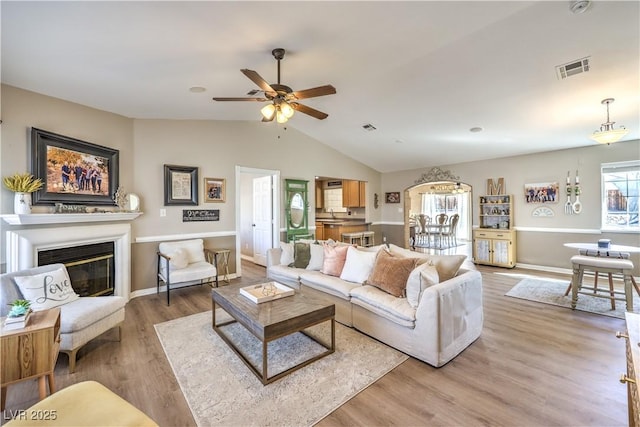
369 127
572 68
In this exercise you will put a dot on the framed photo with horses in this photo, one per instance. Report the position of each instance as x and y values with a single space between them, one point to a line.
73 171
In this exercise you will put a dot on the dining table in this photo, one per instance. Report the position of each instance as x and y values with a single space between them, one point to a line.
600 250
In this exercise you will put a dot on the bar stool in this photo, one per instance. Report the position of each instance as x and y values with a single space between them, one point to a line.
368 238
352 238
582 263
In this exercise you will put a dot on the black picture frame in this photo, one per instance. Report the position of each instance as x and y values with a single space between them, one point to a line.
392 197
49 151
180 185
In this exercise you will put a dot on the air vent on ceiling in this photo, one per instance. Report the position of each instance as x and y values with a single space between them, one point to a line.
572 68
369 127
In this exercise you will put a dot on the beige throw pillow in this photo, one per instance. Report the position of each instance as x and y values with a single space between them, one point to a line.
179 259
390 273
447 265
423 276
47 290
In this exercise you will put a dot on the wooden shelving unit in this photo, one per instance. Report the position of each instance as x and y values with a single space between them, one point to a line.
494 242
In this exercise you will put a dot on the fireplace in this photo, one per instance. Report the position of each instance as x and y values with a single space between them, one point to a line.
90 267
28 248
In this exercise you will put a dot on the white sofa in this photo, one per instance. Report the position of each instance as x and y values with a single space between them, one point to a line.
447 319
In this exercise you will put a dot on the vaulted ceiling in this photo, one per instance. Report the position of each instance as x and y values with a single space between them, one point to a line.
422 73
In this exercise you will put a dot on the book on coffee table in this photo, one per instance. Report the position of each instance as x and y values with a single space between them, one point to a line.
264 292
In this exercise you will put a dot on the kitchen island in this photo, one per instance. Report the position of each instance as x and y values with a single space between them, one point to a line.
333 228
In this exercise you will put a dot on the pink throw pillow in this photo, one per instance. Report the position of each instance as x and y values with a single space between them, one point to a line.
334 258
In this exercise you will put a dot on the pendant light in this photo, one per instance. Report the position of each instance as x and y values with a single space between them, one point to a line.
607 134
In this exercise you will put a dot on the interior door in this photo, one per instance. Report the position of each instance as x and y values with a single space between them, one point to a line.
262 219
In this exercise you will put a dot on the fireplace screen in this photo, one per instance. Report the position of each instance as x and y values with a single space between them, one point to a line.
91 267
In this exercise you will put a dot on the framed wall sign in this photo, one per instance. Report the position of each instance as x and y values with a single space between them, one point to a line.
214 190
73 171
192 215
180 185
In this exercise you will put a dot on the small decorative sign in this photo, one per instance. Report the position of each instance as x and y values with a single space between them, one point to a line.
191 215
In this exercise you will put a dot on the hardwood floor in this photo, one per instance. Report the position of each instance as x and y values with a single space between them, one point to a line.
534 365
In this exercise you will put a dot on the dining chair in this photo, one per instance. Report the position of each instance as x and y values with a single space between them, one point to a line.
451 232
422 236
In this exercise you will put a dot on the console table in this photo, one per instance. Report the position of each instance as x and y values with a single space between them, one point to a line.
31 352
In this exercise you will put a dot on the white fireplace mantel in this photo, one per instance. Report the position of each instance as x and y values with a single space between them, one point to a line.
68 218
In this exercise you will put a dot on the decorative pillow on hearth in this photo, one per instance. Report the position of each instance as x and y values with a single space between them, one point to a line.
334 258
301 255
47 290
390 273
179 259
358 265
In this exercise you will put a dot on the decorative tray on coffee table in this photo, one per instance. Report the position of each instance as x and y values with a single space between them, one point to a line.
264 292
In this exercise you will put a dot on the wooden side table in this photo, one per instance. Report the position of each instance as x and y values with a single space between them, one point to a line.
31 352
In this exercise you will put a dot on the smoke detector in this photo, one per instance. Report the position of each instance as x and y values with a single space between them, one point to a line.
579 6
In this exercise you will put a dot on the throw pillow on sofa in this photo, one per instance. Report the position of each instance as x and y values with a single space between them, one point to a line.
286 257
447 265
390 273
423 276
358 265
317 257
301 255
334 258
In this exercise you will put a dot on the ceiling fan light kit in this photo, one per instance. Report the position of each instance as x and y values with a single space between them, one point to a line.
607 134
283 99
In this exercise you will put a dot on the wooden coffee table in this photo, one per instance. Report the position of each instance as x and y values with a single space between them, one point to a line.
271 320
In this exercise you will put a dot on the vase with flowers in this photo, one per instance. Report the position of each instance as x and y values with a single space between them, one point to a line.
22 185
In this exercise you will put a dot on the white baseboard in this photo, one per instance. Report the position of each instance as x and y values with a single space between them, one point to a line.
163 288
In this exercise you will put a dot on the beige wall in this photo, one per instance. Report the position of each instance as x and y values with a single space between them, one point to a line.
215 147
540 240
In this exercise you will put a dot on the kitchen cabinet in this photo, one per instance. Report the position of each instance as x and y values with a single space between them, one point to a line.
494 247
353 194
319 195
334 231
319 231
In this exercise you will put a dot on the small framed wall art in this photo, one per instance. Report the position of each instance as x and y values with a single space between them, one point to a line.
392 197
180 185
214 190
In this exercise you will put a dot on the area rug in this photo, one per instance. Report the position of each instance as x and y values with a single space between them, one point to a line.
551 291
221 390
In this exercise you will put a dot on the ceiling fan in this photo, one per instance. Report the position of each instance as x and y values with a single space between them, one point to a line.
282 99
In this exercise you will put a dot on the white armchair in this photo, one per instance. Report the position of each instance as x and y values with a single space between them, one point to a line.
81 320
184 263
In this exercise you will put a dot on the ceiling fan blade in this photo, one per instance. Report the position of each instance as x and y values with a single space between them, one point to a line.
255 77
313 92
264 119
310 111
240 99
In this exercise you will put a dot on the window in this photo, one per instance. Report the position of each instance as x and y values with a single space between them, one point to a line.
620 185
